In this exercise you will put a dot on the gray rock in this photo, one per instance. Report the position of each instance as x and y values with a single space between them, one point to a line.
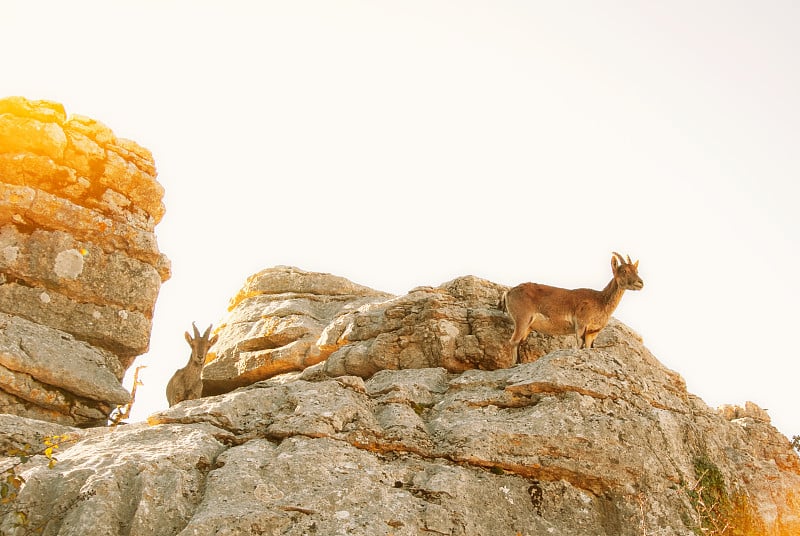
78 259
285 319
274 325
57 359
79 270
604 441
103 485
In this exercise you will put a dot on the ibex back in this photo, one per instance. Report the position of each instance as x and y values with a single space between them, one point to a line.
186 384
557 311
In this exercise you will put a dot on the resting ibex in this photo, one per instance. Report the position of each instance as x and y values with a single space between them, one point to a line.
558 311
185 384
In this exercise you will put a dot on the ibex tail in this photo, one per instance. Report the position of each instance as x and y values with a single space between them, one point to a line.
502 303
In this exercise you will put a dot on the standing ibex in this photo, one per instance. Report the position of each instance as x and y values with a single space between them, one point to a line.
185 384
558 311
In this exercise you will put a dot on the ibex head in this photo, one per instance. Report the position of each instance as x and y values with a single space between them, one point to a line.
625 272
200 344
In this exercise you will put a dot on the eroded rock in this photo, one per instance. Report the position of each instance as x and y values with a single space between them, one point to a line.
78 257
285 319
274 323
604 441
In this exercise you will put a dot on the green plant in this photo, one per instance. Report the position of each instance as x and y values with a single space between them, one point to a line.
720 513
12 482
709 497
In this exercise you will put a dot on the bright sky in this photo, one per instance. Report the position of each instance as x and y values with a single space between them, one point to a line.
408 143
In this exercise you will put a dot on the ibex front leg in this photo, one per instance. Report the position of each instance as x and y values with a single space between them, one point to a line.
585 336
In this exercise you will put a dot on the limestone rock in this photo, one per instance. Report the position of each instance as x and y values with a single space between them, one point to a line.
20 431
285 319
750 410
78 256
57 261
153 489
52 370
605 441
59 360
457 326
89 148
113 328
274 323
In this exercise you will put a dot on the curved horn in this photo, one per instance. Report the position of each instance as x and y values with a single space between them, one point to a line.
196 333
619 257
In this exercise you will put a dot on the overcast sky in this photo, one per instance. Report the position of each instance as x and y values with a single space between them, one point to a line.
408 143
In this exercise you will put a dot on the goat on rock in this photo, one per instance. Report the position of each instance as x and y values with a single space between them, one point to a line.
186 384
557 311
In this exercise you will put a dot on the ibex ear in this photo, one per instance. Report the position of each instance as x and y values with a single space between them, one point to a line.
636 265
614 264
187 337
213 339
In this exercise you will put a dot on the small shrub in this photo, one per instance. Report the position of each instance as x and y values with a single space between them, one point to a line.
122 412
12 482
718 512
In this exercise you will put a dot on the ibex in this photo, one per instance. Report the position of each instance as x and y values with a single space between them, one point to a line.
185 384
557 311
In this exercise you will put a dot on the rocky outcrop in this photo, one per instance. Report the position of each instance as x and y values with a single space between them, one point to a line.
80 269
286 319
274 323
604 441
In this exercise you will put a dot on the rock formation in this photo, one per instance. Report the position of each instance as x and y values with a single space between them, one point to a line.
80 269
274 323
412 422
286 319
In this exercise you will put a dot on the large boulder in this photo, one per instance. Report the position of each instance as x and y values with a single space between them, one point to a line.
80 268
274 322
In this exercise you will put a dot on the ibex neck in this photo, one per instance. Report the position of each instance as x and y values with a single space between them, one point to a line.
612 295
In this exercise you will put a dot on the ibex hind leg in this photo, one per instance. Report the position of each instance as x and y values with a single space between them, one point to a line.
521 330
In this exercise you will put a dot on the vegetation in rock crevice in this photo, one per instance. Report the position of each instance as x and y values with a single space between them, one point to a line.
718 512
12 482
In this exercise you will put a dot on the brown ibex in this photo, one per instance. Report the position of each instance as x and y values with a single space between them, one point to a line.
557 311
185 384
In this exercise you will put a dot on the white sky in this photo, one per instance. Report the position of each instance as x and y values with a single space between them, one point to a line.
408 143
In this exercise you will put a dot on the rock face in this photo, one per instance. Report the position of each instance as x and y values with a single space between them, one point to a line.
274 323
80 269
286 319
605 441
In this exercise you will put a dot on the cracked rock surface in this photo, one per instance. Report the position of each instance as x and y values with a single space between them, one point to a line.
79 262
582 442
286 319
